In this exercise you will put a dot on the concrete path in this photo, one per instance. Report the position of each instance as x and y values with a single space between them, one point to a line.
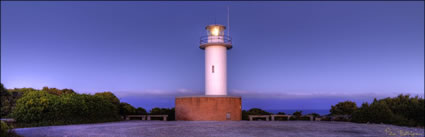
136 128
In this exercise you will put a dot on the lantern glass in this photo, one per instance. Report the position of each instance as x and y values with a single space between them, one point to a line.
215 31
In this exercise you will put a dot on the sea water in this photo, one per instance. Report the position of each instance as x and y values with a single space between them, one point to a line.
304 111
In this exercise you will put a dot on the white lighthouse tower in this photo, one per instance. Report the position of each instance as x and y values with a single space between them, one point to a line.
216 105
215 44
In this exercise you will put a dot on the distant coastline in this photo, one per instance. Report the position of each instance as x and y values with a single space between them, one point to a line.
304 111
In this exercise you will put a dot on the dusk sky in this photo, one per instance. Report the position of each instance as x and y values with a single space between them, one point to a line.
286 55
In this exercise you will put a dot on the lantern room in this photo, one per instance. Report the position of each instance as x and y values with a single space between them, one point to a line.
215 36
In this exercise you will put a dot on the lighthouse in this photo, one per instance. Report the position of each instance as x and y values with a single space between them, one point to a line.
215 44
215 104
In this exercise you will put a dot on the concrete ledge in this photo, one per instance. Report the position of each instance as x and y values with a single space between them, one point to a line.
287 116
251 117
140 116
164 117
147 117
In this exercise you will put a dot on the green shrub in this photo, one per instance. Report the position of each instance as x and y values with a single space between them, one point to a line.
164 111
6 106
402 110
314 114
42 108
297 114
253 111
141 111
34 107
126 109
343 108
361 115
379 112
56 91
4 129
281 113
109 96
245 115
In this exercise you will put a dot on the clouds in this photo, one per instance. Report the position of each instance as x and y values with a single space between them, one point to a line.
260 95
306 95
250 98
159 93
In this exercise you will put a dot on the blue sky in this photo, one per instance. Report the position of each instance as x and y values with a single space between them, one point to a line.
286 55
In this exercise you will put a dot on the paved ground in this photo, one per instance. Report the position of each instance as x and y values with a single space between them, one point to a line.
222 129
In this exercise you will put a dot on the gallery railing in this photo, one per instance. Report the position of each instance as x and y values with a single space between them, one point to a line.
221 39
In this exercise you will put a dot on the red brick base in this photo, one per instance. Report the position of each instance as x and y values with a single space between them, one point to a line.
208 108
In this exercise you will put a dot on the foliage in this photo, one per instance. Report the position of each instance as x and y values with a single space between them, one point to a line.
9 98
141 111
109 96
257 111
126 109
245 115
43 108
314 114
56 91
163 111
52 106
343 108
4 129
281 113
297 114
253 111
401 110
5 101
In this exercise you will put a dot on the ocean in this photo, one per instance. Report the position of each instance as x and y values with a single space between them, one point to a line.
304 111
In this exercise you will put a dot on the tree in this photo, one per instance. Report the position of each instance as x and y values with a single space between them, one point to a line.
32 107
361 115
171 114
43 108
163 111
245 115
159 111
56 91
126 109
257 111
109 96
281 113
314 114
377 112
343 108
298 114
141 111
4 129
5 101
253 111
401 110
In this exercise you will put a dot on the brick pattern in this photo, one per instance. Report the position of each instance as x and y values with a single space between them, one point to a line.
208 108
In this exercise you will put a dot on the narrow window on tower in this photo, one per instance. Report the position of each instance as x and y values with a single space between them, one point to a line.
212 69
